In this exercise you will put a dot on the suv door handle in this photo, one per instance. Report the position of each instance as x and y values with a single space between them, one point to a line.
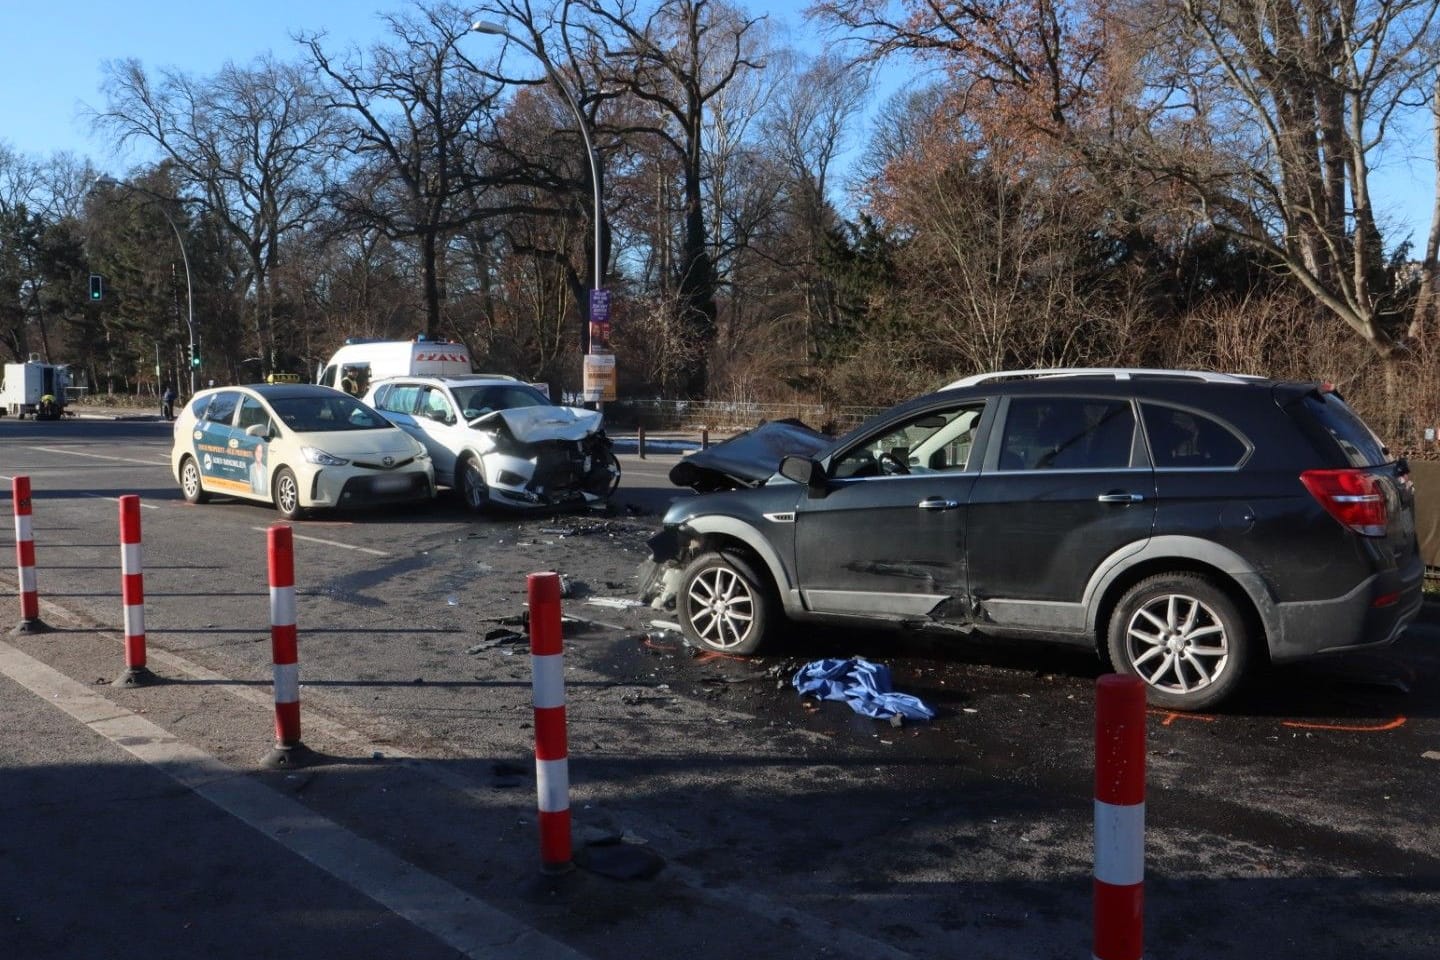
1121 497
937 503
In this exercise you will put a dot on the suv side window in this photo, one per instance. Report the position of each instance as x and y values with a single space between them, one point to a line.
930 442
1184 438
1355 439
1067 433
434 406
401 398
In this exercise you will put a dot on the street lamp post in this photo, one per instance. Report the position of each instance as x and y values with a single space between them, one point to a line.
495 29
184 257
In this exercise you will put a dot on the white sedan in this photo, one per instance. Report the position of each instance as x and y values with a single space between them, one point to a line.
296 445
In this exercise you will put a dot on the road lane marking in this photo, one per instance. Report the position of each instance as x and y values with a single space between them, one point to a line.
331 543
430 903
143 504
101 456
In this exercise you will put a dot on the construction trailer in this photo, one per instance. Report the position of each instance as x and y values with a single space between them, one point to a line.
34 389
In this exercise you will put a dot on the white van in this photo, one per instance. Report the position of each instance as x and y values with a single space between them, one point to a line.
360 361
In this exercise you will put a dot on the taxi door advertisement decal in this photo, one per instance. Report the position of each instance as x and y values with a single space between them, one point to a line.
260 469
224 467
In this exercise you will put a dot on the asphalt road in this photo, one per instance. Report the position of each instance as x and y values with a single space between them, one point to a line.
1298 823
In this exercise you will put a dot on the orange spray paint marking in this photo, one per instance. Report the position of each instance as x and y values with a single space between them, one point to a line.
1345 728
1171 717
707 657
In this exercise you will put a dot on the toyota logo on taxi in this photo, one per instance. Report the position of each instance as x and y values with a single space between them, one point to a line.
388 461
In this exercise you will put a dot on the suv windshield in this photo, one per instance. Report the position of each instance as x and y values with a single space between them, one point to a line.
326 414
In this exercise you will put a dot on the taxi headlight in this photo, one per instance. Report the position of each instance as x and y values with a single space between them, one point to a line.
421 453
316 455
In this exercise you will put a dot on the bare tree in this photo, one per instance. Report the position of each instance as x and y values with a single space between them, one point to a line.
20 180
415 109
805 128
1308 92
1261 116
252 140
677 59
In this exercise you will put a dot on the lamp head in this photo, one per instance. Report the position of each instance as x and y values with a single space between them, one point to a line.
485 26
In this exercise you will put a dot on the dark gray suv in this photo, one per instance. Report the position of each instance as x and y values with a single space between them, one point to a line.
1185 525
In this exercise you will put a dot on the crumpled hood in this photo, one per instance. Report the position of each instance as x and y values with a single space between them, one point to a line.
535 424
748 459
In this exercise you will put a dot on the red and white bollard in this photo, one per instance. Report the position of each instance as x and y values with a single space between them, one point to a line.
30 621
132 594
552 763
1119 817
285 647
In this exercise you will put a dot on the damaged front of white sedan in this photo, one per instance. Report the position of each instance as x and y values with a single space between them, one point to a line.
500 442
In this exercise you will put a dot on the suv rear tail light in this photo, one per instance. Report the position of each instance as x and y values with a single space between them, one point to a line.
1353 497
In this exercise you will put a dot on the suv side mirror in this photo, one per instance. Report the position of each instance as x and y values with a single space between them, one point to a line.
806 471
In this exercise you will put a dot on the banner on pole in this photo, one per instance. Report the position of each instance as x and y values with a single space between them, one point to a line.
599 321
599 379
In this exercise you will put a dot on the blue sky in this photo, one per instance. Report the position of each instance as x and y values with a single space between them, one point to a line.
51 52
51 55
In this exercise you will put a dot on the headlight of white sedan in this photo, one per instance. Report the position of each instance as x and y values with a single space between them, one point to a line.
316 455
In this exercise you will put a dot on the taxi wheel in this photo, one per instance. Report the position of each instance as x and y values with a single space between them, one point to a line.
190 482
287 495
470 482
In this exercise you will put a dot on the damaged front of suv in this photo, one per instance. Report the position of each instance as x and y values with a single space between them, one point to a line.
720 560
542 456
716 562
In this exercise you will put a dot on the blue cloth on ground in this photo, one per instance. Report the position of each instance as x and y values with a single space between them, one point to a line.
862 684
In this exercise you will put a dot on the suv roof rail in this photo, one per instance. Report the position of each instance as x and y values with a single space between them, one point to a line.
1116 373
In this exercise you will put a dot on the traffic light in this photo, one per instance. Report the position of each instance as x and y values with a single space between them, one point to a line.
194 357
97 287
